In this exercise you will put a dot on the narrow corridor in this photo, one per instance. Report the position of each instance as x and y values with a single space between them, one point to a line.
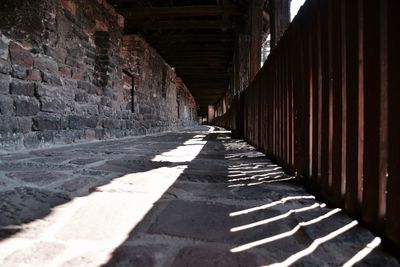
190 198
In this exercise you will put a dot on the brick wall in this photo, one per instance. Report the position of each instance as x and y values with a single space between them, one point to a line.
67 74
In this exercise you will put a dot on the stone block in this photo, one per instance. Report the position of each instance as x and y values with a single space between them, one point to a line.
31 204
87 86
52 104
106 101
81 96
4 42
4 84
92 121
76 122
33 75
46 64
26 106
212 256
47 90
48 121
52 79
65 71
15 124
19 72
23 124
92 109
18 87
6 124
20 56
7 105
111 124
5 66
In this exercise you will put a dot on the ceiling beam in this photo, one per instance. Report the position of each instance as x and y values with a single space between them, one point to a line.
137 13
144 26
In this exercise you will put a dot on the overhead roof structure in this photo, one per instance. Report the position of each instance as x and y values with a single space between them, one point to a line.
196 37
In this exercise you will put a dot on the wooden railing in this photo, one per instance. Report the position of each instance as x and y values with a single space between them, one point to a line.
326 105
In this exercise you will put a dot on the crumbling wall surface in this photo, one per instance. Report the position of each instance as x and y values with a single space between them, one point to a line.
164 99
63 76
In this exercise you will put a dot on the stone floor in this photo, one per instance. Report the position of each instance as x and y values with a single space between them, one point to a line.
188 198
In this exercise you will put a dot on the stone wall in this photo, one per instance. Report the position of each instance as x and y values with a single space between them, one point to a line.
67 75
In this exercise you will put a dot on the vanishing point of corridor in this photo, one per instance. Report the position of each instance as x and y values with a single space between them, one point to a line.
194 197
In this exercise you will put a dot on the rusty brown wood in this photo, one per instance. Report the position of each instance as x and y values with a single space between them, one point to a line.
324 29
392 226
336 103
375 98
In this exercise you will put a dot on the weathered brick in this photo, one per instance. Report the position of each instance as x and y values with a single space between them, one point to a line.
20 56
52 104
18 72
111 124
48 121
81 96
65 71
18 87
4 84
88 87
4 42
46 64
23 124
26 106
9 124
92 109
106 101
5 66
6 105
6 124
82 121
33 75
46 90
51 79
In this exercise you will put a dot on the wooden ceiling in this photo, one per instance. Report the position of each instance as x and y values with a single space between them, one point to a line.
196 37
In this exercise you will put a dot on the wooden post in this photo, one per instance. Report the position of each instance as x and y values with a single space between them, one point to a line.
256 31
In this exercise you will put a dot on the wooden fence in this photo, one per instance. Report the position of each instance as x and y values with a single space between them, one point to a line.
326 105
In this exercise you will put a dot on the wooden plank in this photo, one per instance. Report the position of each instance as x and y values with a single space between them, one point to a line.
353 82
325 81
374 96
392 228
337 102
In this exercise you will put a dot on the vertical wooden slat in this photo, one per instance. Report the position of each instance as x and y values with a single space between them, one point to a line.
374 90
336 103
315 82
392 227
324 28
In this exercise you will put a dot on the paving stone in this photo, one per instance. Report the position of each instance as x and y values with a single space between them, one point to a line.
35 255
40 178
212 222
78 184
134 256
203 256
106 193
25 204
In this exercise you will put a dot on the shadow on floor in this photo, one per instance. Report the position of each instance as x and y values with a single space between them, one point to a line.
33 184
231 206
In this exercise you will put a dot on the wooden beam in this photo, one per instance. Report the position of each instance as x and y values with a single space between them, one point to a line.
143 26
188 38
179 11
